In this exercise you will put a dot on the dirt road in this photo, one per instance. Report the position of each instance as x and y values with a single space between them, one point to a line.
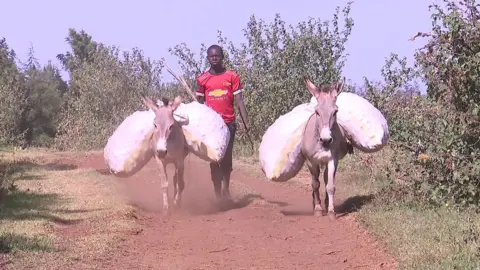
269 226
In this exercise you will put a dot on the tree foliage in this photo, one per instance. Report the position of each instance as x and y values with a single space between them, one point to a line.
274 60
12 91
109 90
45 90
436 137
83 50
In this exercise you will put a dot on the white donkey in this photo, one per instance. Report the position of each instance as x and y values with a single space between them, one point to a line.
168 142
324 143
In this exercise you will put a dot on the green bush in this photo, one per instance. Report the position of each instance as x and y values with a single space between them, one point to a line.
105 92
436 137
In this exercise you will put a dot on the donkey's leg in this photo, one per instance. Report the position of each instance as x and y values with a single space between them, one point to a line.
180 182
329 178
175 185
163 182
325 180
315 173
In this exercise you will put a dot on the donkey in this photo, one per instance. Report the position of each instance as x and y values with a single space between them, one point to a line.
324 143
169 145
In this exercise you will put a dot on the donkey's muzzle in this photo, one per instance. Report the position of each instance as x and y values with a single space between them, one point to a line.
161 153
327 142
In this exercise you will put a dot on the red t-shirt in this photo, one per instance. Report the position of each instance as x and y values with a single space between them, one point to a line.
219 92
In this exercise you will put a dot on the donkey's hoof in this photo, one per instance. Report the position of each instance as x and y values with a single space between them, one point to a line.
332 216
317 210
177 202
166 211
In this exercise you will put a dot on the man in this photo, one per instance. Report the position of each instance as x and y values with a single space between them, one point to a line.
218 88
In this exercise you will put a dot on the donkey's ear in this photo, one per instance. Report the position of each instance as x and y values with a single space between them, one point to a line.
149 103
311 87
176 102
340 86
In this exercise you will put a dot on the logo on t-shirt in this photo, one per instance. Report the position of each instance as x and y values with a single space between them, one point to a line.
217 93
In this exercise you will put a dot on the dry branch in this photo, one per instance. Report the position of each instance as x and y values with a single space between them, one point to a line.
421 34
220 250
182 81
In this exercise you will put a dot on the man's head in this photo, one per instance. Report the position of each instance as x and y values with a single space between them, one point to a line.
215 56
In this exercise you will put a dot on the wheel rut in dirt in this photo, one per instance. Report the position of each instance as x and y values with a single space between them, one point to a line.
268 226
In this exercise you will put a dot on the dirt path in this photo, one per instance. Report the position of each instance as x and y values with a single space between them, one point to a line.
269 226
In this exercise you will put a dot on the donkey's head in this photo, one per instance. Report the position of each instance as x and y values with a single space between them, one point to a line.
164 123
326 109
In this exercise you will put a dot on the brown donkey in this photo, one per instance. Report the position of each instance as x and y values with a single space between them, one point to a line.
323 143
169 145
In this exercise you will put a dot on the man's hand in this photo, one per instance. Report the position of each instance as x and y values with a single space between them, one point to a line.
243 110
243 114
245 122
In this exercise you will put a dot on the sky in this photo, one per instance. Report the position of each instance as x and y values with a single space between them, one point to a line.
381 27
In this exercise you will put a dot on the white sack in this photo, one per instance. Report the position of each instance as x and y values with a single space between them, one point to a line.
206 133
128 149
280 149
364 124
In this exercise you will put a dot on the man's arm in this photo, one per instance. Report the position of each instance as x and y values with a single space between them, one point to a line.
238 93
241 107
200 92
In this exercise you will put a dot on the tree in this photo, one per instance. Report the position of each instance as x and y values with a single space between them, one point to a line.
435 137
12 91
45 91
32 61
108 90
274 60
83 49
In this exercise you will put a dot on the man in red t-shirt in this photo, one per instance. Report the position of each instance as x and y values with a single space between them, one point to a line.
219 88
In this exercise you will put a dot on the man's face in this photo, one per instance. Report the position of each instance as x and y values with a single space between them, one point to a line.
214 57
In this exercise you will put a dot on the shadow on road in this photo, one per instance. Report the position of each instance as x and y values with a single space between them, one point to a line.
354 203
350 205
225 205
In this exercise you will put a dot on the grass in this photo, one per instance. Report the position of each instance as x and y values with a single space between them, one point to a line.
419 236
48 197
426 238
11 242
